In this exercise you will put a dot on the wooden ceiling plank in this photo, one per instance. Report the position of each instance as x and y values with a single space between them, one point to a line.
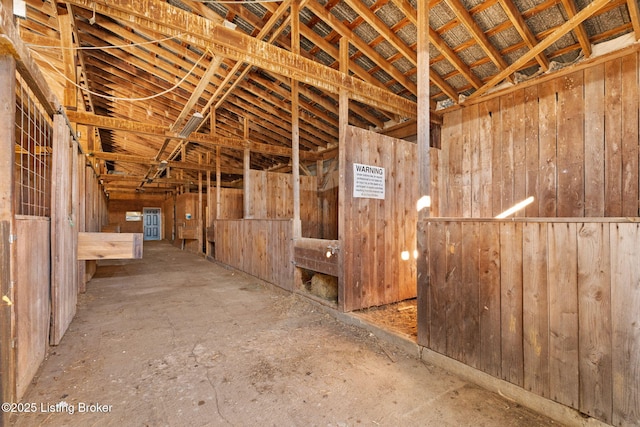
581 34
580 17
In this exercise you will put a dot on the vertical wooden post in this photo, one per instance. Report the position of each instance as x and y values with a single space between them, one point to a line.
7 188
320 181
424 171
295 123
247 171
200 215
343 124
208 210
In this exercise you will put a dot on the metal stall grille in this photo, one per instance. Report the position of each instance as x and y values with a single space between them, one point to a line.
33 151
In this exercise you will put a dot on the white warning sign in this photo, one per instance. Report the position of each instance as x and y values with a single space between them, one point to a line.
368 181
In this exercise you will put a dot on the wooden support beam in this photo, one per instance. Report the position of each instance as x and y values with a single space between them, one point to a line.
423 122
583 15
467 21
246 178
231 44
634 13
180 165
521 27
581 33
103 122
7 227
65 23
295 123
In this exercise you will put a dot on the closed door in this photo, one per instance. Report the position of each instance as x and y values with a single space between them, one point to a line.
151 223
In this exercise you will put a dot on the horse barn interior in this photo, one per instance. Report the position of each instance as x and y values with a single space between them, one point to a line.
475 161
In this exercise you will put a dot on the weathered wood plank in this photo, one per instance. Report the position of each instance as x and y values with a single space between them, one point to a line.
438 296
563 314
453 292
469 292
109 246
507 159
532 149
313 254
511 302
594 309
490 351
594 144
625 300
535 311
613 138
31 298
570 148
519 150
424 283
547 114
629 132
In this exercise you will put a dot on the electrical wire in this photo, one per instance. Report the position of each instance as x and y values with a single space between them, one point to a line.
115 98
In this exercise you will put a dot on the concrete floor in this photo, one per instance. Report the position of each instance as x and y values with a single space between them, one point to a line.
176 340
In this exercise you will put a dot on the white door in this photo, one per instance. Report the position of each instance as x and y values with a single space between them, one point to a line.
151 217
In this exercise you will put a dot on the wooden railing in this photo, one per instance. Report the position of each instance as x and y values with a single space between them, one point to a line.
550 305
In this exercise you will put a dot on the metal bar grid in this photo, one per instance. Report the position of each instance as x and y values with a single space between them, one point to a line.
33 153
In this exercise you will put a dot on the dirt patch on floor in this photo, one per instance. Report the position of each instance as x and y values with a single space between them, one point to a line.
400 317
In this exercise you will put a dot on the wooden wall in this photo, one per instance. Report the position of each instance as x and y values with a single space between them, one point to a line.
272 198
192 229
378 231
328 206
547 301
262 248
119 207
31 297
571 142
549 306
231 200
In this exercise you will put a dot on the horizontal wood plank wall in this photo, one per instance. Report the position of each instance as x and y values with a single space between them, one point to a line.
571 142
31 297
262 248
64 234
379 231
549 306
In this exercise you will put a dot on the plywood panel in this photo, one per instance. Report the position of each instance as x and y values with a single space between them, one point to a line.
535 310
594 302
625 300
563 314
31 297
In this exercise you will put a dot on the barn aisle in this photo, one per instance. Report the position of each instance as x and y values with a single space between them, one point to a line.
173 339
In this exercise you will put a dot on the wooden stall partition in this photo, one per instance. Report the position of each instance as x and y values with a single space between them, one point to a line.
570 141
64 232
328 206
31 297
188 222
262 248
272 198
548 305
379 241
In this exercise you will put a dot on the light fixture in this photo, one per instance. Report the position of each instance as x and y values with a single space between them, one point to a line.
162 165
228 24
192 124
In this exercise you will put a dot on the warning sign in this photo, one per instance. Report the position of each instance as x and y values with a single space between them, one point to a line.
368 181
